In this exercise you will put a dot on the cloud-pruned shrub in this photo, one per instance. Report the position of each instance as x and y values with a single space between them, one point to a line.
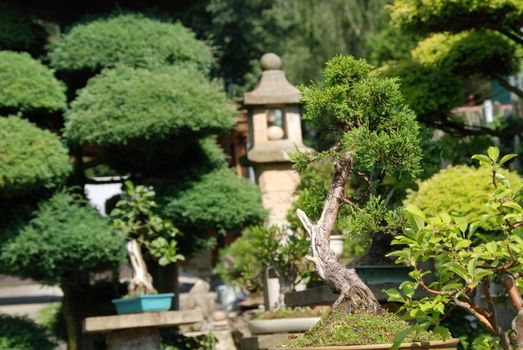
219 199
129 39
30 158
64 240
27 85
124 104
21 333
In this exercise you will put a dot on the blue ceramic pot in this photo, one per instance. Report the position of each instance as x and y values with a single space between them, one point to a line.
144 303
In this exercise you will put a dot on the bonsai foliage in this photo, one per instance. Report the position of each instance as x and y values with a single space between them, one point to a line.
244 262
130 39
30 158
125 104
469 263
377 135
460 190
218 199
64 240
134 217
27 85
21 333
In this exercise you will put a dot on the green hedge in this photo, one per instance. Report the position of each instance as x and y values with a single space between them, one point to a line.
21 333
219 199
28 85
65 239
130 39
30 158
124 104
460 189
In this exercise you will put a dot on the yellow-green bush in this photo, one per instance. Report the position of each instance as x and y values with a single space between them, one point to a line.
460 189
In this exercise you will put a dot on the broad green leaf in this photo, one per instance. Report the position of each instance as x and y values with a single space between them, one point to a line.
482 158
398 339
462 223
464 243
493 153
394 295
506 158
457 269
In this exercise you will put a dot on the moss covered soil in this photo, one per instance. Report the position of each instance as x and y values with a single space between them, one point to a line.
337 328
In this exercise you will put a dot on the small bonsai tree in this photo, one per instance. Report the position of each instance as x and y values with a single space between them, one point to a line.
469 262
377 135
134 217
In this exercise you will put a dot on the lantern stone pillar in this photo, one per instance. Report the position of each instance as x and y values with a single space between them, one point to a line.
274 132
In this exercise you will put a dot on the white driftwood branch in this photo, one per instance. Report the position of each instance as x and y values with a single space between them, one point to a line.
141 283
340 279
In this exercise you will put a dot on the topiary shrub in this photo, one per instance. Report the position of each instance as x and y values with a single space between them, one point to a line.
21 333
460 189
131 39
218 199
64 240
30 158
125 104
27 85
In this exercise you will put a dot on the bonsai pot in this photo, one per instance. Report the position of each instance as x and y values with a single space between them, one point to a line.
144 303
282 325
451 344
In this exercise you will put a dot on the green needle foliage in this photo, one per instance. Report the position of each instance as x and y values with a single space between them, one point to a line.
126 104
27 85
469 262
21 333
65 240
216 200
367 114
130 39
30 158
459 189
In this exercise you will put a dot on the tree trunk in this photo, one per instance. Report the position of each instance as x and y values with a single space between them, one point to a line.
352 290
141 283
77 303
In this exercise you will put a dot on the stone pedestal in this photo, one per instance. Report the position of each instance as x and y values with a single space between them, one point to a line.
265 341
277 183
134 339
138 331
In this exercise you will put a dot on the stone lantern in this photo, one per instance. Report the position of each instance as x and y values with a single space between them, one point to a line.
274 132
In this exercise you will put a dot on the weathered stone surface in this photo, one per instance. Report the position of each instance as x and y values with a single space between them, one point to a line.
134 339
200 298
142 320
265 341
273 86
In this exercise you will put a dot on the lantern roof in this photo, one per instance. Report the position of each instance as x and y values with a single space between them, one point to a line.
273 87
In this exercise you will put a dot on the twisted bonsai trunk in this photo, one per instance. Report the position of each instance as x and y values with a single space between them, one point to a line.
340 279
142 282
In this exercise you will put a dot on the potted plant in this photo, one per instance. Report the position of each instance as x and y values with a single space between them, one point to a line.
284 320
377 134
470 262
134 216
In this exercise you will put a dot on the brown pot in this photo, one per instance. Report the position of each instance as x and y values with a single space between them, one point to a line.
451 344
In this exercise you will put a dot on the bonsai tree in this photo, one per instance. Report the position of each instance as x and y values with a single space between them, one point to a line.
134 217
377 135
469 262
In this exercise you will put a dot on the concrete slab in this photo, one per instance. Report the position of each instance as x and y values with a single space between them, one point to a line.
148 319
